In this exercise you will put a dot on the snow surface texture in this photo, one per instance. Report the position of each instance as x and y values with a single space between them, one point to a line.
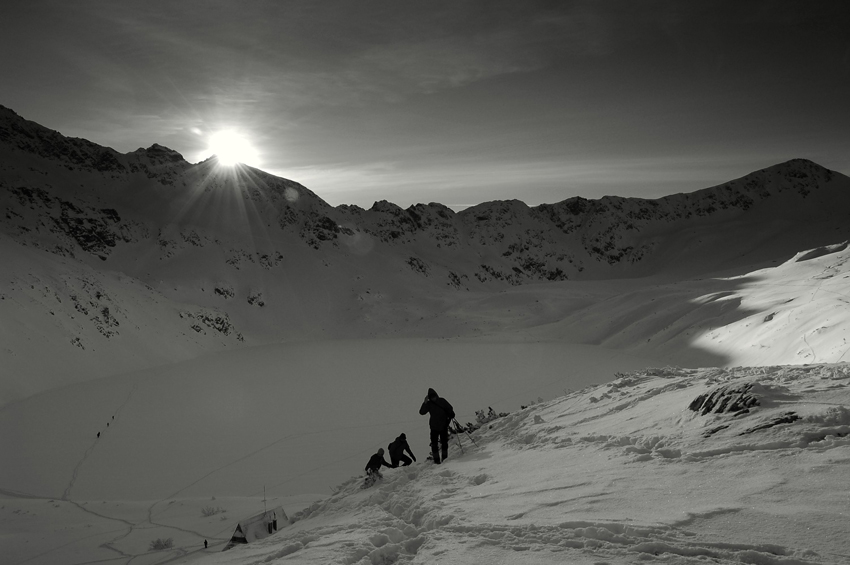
627 472
176 340
796 312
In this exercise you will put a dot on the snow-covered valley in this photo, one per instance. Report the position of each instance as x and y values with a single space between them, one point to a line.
179 342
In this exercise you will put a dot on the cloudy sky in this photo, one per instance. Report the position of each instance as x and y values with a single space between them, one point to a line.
457 102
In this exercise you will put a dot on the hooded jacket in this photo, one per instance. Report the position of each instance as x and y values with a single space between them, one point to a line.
440 410
376 461
398 447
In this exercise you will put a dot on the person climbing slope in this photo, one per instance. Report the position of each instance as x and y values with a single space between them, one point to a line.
441 415
396 450
372 467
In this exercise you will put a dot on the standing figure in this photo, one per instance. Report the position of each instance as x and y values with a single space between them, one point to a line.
397 449
442 414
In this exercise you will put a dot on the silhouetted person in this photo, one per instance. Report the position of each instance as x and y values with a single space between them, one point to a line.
205 544
374 464
98 434
396 450
442 414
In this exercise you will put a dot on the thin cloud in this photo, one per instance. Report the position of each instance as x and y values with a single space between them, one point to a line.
532 182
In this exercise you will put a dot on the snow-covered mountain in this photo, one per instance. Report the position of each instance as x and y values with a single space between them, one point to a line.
126 261
104 202
179 340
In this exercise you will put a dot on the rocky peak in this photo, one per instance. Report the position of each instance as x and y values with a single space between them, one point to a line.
426 215
504 241
19 134
385 207
159 154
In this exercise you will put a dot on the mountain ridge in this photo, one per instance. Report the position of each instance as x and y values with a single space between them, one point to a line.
561 240
101 248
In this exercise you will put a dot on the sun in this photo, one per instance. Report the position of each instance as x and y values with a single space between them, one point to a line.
232 147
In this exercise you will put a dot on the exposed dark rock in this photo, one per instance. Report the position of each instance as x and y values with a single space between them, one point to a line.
256 299
456 280
786 418
215 321
731 399
418 265
225 291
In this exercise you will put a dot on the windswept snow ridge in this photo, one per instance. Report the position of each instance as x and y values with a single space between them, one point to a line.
633 471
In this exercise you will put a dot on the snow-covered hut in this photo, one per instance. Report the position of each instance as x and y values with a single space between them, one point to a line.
257 527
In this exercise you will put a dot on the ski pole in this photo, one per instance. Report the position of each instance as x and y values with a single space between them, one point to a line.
465 430
460 445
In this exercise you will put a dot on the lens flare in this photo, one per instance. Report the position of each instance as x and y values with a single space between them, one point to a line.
232 147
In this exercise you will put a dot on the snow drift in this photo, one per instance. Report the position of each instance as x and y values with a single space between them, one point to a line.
636 470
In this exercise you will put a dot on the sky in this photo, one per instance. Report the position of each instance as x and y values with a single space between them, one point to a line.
456 102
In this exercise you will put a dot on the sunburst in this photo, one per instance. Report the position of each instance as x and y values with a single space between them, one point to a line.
232 147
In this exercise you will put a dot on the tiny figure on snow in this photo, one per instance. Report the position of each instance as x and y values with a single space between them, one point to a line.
396 450
372 467
205 544
441 415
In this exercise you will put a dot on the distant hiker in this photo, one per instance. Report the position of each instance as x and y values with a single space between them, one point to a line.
98 434
396 450
205 544
374 464
442 414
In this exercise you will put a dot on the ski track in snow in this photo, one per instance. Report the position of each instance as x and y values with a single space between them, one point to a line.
425 512
66 495
129 528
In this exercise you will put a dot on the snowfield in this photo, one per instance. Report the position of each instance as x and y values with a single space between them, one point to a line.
622 471
182 346
634 471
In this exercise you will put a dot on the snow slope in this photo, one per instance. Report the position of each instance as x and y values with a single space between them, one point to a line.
796 312
744 465
636 470
131 261
178 339
291 419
